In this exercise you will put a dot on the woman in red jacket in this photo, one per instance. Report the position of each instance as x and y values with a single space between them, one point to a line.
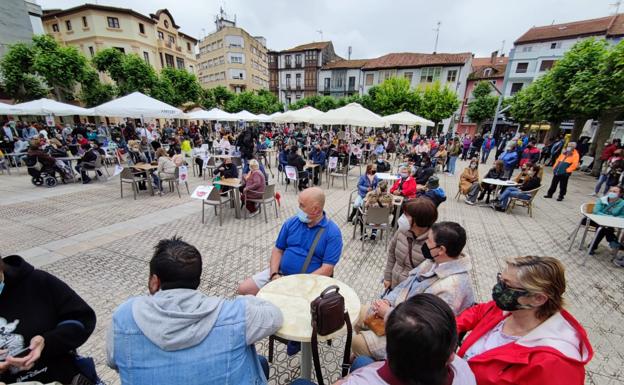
406 185
524 336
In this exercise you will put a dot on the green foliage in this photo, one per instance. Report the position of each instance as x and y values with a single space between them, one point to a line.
93 92
177 86
130 73
256 102
438 103
394 95
483 106
18 78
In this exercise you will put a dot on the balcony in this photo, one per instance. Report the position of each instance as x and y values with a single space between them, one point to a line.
178 48
298 87
287 65
298 65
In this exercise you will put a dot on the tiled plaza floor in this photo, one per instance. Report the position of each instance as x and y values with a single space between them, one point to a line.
100 245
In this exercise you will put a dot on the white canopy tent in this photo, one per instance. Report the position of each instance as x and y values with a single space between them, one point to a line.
47 107
245 115
213 114
303 115
408 119
6 109
137 105
352 114
263 118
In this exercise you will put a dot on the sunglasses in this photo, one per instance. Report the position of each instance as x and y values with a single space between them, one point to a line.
504 285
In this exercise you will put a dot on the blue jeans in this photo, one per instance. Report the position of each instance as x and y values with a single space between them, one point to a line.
359 362
265 365
451 165
301 381
511 192
604 179
485 155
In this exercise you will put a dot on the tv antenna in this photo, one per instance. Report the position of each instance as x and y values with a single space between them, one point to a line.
437 31
320 32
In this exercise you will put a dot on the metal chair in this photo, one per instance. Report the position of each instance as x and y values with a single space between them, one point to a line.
586 208
339 172
129 177
216 199
268 197
528 203
351 201
374 218
210 166
174 181
293 175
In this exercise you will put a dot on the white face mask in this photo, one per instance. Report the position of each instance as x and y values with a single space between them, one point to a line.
404 223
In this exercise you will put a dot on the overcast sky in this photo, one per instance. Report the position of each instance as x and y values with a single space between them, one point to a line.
373 27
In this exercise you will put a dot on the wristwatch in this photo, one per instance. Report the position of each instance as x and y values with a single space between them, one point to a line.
274 274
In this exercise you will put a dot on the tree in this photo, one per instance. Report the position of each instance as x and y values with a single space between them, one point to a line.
438 103
17 74
221 96
394 95
186 87
93 92
326 103
130 72
483 106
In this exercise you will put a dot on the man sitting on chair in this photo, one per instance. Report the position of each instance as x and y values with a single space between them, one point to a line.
531 182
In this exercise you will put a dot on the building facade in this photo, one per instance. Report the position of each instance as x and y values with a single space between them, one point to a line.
342 78
491 69
155 38
19 21
233 58
294 73
538 49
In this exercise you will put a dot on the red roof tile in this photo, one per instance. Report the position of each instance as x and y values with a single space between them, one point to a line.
609 26
480 64
344 64
411 60
304 47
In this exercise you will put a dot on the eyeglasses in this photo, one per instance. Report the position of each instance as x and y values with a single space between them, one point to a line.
504 285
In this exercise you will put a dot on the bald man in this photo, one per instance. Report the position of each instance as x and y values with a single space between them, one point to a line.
295 241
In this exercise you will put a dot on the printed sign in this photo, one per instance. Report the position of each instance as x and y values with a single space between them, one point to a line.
183 174
118 170
291 173
202 192
333 162
205 158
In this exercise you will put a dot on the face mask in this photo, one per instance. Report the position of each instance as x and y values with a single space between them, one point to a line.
423 164
404 223
506 298
472 165
569 149
303 217
404 175
530 173
2 285
612 195
426 251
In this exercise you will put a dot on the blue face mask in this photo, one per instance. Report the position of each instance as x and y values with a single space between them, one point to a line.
612 195
303 217
1 286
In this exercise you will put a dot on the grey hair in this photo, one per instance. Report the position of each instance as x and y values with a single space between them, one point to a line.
254 164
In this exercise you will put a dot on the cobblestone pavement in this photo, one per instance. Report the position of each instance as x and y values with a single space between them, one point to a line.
100 245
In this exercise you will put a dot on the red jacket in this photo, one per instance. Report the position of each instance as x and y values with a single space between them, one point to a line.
409 187
530 154
554 353
608 151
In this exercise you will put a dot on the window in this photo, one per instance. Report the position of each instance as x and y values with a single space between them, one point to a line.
68 25
91 51
409 76
326 83
188 46
146 56
451 76
55 27
180 63
162 64
522 68
351 82
555 45
141 29
166 23
430 74
169 60
288 61
161 36
234 41
237 74
120 49
527 48
113 22
515 87
487 72
298 80
84 22
171 39
545 65
287 80
369 79
298 60
236 58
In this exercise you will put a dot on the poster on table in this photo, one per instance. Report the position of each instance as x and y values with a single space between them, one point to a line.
183 174
202 192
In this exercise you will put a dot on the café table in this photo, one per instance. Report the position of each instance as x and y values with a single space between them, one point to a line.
312 166
387 176
293 294
499 183
148 168
70 159
601 221
235 184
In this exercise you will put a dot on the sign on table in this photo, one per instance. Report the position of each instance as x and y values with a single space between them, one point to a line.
202 192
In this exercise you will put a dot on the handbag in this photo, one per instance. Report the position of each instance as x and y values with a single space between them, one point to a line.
328 316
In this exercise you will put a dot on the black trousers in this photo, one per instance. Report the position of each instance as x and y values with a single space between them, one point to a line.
562 181
605 232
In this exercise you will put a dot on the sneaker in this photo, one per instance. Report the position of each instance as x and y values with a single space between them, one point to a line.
373 236
547 196
592 194
618 262
559 199
468 202
614 245
364 237
293 348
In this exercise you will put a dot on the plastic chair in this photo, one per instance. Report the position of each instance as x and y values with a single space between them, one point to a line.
210 166
293 172
339 172
268 197
374 218
216 199
174 181
129 177
528 203
586 208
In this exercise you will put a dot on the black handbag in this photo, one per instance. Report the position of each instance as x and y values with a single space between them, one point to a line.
328 316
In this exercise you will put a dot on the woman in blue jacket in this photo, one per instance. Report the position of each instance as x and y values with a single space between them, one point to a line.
611 204
510 160
367 182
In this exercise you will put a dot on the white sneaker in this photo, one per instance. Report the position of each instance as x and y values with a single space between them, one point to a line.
592 194
468 202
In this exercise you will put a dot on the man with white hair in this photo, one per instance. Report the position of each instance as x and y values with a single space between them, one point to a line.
565 164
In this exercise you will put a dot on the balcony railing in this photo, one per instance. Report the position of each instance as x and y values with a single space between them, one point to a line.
287 65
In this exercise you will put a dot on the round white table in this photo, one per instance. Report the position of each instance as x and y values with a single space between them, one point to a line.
499 182
387 176
292 295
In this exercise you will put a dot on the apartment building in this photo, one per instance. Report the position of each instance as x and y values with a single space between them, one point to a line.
342 78
155 38
233 58
294 72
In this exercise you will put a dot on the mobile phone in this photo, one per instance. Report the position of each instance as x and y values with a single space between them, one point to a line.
21 353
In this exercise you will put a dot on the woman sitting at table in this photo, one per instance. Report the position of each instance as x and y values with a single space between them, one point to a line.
611 204
531 182
366 183
166 168
254 184
469 179
406 185
378 197
485 189
525 336
199 153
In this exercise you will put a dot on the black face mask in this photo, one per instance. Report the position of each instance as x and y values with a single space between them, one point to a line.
426 251
506 298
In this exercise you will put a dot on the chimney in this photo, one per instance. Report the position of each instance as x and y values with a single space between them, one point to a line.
493 57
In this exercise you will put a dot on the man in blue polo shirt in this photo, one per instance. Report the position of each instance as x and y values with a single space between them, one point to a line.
295 240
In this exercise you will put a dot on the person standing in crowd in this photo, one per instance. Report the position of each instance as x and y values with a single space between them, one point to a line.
466 146
42 322
453 153
608 174
510 160
525 323
161 337
489 143
530 154
565 164
555 150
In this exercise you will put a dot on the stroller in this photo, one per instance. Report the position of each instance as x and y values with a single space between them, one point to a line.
44 175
